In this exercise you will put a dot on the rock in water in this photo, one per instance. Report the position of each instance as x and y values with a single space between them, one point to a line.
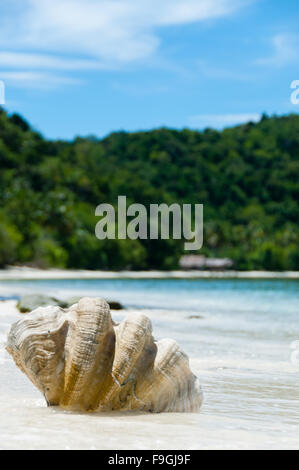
81 360
30 302
113 304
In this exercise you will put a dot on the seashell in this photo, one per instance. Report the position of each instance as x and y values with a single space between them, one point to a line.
81 360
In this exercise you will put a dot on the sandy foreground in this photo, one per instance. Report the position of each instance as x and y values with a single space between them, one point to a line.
25 273
260 411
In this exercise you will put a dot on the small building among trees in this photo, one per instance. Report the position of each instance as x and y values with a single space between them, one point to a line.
202 262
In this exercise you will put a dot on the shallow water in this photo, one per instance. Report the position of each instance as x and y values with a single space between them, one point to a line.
240 348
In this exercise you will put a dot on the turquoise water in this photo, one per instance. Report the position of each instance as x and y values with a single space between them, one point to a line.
171 293
240 347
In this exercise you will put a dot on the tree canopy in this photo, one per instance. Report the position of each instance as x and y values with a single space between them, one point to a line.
246 177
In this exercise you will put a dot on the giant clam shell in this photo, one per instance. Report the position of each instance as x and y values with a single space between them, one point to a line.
81 360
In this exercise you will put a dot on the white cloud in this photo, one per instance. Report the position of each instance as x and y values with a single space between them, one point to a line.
214 71
43 61
285 51
222 120
37 80
108 31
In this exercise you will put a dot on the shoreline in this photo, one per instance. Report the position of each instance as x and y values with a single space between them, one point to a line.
25 273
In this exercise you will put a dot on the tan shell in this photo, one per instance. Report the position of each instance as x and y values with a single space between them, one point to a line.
80 360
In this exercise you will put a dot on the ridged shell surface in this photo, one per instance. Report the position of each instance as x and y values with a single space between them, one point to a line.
80 360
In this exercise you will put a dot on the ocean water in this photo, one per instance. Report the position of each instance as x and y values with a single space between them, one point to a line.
239 335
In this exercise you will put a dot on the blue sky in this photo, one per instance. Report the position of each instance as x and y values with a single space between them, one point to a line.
82 67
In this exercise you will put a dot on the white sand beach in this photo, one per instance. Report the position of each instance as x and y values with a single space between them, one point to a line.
23 273
239 348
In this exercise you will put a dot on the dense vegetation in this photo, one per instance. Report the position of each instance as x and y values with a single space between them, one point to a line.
246 177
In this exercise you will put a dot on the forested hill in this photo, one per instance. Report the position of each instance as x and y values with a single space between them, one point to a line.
246 177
